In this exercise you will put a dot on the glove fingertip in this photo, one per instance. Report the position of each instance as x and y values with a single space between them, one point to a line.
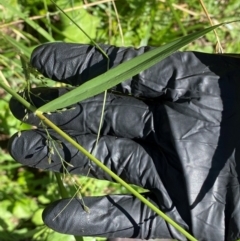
66 216
49 219
39 50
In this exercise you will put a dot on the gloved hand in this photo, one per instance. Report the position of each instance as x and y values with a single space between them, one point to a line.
172 129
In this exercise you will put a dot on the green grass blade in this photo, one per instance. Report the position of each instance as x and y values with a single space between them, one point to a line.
122 72
19 46
30 22
62 190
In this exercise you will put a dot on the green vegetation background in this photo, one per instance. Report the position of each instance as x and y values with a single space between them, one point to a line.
24 24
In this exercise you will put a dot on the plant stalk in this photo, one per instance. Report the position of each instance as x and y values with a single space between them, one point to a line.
40 115
114 176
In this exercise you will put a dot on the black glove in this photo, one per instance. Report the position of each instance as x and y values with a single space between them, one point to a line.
173 129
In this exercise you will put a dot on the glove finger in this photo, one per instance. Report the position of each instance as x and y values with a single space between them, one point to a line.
77 63
110 216
124 116
133 162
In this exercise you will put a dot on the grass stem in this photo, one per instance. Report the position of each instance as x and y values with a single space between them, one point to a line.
114 176
40 115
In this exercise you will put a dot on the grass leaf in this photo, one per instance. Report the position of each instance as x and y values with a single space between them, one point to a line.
122 72
17 45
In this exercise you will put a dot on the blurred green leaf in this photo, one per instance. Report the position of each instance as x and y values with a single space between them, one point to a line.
20 210
37 217
43 199
24 208
85 20
8 123
8 219
59 237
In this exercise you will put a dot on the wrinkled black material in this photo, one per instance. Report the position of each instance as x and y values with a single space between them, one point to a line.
179 138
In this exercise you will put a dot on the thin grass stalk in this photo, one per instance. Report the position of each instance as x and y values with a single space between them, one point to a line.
64 194
108 62
48 18
114 176
178 20
85 33
119 22
219 48
40 115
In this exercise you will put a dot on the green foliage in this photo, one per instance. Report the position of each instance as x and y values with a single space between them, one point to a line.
8 123
25 192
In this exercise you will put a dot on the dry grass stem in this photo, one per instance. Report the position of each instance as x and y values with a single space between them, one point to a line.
119 23
4 79
184 9
219 48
